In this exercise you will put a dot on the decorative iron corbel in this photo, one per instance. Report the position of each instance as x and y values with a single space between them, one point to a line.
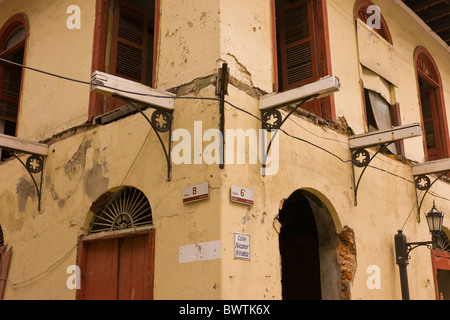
423 183
273 120
361 158
161 121
34 165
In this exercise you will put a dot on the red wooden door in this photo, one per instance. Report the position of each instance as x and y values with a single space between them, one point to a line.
134 269
117 268
101 270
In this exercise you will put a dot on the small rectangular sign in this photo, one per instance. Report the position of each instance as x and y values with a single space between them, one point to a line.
242 246
196 193
242 195
200 252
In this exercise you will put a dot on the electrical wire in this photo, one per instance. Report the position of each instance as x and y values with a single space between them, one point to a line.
43 272
199 98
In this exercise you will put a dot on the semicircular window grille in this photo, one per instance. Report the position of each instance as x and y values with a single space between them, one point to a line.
126 208
443 244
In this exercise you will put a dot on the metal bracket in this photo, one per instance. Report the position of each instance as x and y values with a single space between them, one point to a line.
273 120
410 246
423 183
34 165
221 91
161 121
361 159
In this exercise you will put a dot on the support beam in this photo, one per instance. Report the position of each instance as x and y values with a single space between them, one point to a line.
21 145
110 85
316 90
431 167
385 136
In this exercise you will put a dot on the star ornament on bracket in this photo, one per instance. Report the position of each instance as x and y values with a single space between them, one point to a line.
361 158
34 164
423 182
161 120
272 120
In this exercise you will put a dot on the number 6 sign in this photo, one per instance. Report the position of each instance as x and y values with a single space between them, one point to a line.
242 195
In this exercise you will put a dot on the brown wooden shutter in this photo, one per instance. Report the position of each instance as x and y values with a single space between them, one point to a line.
397 121
298 45
10 80
5 257
431 125
129 44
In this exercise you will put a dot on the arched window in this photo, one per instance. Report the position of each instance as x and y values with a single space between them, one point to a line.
431 99
13 37
126 208
363 12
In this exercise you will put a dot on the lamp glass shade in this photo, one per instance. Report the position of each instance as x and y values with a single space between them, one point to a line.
434 220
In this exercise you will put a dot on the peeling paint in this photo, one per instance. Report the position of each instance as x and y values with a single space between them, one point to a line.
25 189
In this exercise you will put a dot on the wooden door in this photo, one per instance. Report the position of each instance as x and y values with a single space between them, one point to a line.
117 268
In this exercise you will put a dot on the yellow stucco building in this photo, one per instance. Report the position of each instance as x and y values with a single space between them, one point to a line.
259 149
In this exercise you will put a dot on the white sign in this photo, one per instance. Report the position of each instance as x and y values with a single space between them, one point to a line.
199 252
242 195
242 246
196 193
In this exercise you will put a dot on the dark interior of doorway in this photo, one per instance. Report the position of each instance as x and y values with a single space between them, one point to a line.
299 248
443 281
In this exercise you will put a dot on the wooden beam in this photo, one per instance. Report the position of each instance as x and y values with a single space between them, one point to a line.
21 145
110 85
377 138
431 167
322 88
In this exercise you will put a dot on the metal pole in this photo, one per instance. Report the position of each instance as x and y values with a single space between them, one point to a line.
401 254
223 76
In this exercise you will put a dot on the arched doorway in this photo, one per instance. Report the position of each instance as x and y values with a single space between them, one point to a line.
116 257
308 244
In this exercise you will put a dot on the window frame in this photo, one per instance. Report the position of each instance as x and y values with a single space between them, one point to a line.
100 48
433 78
324 107
360 11
9 27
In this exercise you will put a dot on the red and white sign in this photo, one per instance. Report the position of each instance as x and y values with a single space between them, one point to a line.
242 195
196 193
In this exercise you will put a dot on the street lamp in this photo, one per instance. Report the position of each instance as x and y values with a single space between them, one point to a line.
403 248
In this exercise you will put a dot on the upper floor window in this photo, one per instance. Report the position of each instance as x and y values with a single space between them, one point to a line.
13 36
434 119
303 54
124 44
371 15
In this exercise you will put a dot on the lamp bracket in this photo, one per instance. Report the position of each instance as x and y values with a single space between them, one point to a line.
410 246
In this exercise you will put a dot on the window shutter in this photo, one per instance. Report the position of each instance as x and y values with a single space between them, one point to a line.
129 44
9 93
298 45
396 122
5 257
